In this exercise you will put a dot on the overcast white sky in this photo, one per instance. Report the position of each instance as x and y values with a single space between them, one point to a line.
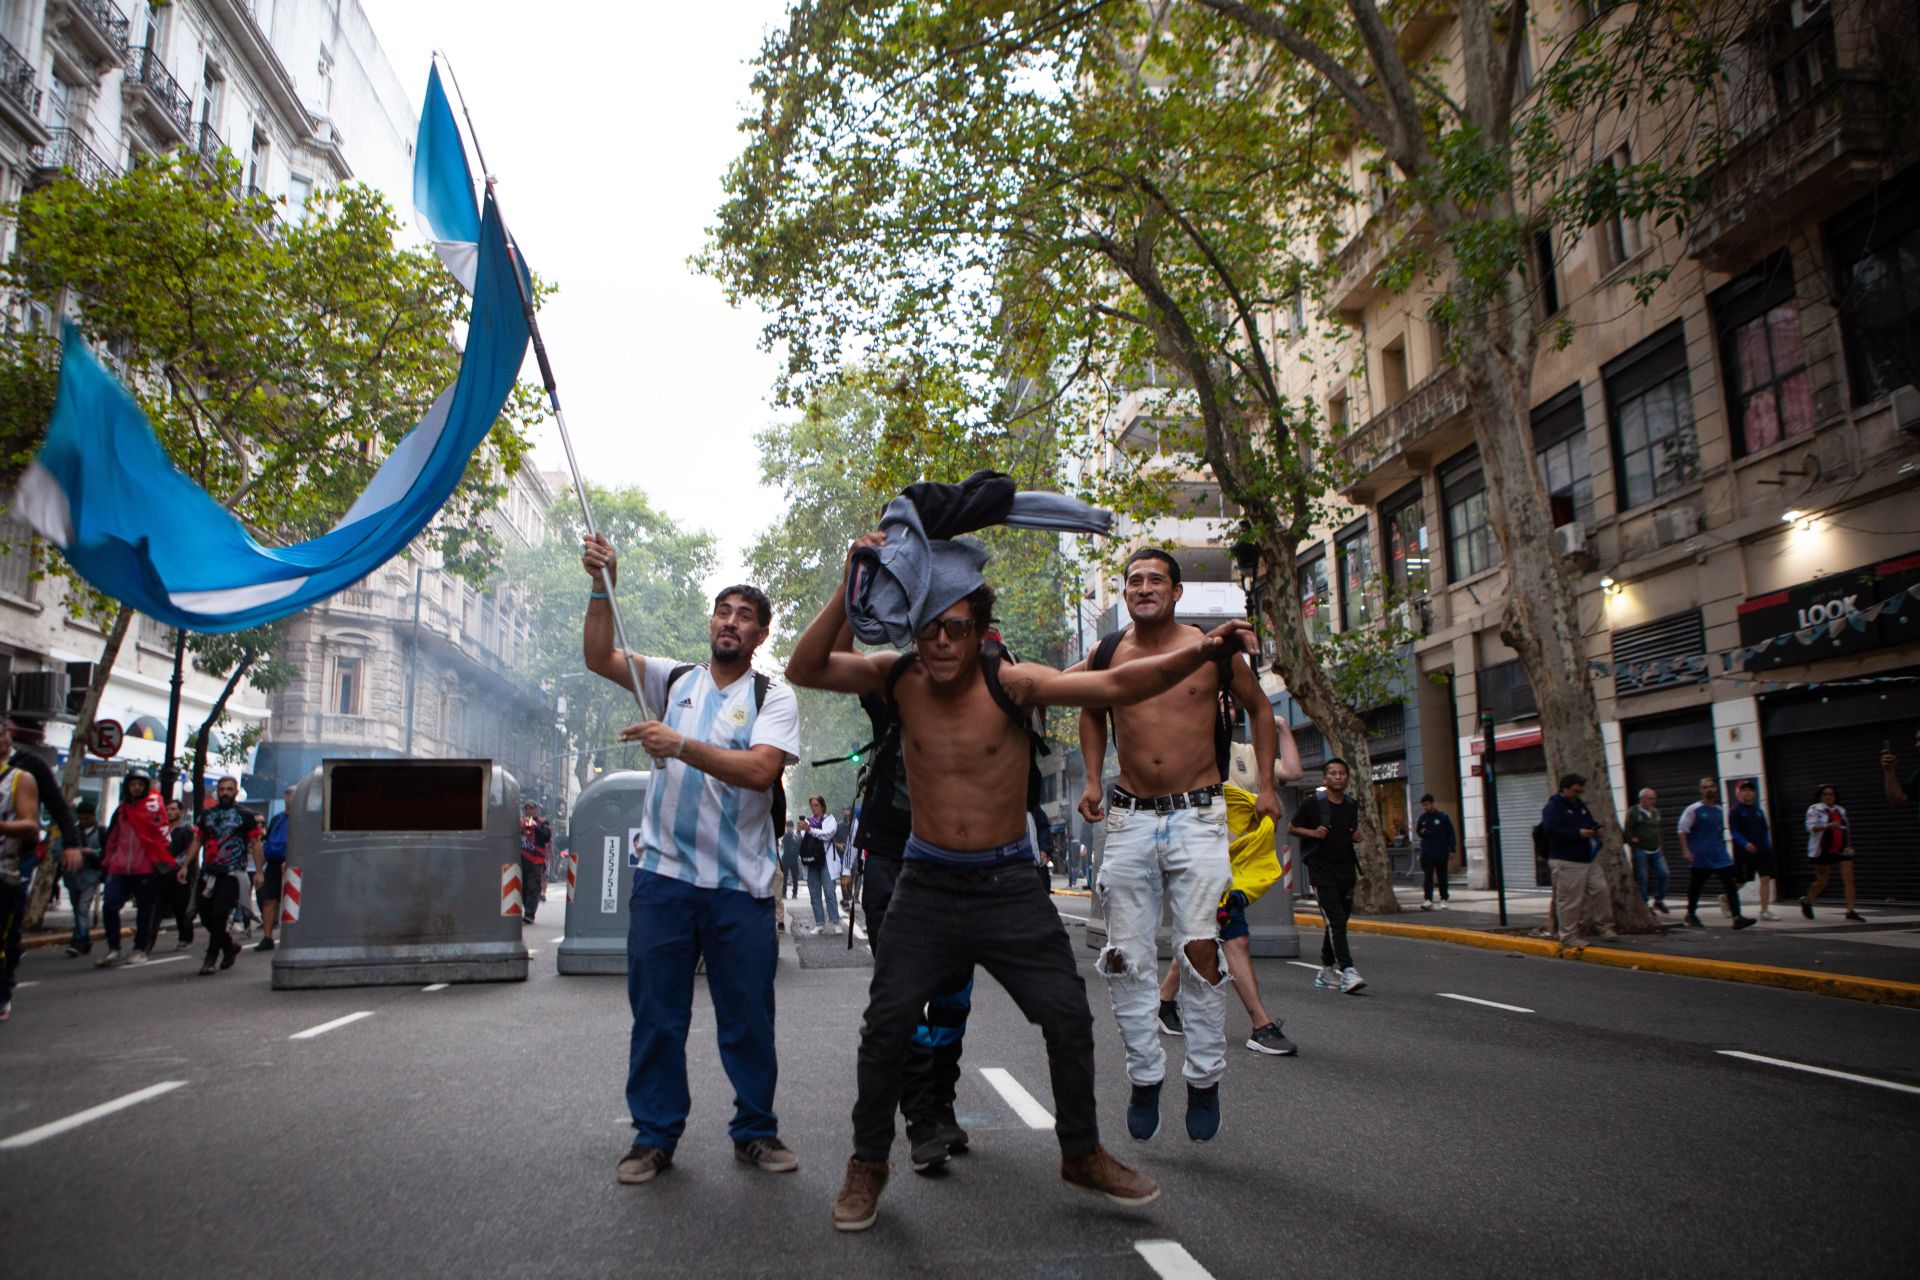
608 127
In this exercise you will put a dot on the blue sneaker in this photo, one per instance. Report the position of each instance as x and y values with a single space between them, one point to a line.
1203 1112
1143 1111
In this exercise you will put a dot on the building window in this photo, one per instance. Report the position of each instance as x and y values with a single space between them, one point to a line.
1393 372
1405 517
1545 273
1471 546
347 681
17 548
1560 443
1624 236
1506 691
1337 414
1315 600
1876 245
1768 397
1655 451
1355 553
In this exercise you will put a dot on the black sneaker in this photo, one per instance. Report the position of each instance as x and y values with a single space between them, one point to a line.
1806 908
1268 1039
265 944
1203 1112
952 1134
1143 1111
929 1149
1693 921
1170 1018
1855 915
770 1154
641 1163
1744 922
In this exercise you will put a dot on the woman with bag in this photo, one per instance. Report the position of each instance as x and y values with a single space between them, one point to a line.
1829 844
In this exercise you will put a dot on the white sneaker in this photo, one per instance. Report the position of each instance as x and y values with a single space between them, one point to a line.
1351 981
138 957
108 960
1440 905
1768 915
1328 977
1426 906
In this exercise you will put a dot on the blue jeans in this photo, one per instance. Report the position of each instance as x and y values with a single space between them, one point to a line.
1650 872
82 888
822 885
670 926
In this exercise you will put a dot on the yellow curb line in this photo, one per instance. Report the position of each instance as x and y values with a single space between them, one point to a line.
1071 893
1844 986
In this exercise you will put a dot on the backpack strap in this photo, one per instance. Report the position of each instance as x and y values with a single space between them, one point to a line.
1102 656
762 684
991 656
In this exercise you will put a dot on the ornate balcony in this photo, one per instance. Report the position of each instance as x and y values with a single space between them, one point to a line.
19 96
96 27
67 154
151 88
1819 155
1406 435
207 144
1353 283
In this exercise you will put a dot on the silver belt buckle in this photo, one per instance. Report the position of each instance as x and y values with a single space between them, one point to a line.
1166 804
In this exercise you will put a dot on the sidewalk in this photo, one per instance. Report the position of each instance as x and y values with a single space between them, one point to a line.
1878 960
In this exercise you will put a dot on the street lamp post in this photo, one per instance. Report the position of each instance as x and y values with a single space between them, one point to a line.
413 648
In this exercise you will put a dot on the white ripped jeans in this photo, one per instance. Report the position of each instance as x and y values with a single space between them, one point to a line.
1178 859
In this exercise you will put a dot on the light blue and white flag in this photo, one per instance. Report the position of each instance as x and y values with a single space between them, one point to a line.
443 185
105 492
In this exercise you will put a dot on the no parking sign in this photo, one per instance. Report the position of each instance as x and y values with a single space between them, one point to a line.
104 738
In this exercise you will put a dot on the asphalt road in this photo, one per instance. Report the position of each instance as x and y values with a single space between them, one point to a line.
472 1131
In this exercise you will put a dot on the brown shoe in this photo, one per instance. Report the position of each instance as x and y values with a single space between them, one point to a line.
858 1203
231 954
1102 1174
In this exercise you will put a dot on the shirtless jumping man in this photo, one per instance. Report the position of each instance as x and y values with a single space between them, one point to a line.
967 892
1166 822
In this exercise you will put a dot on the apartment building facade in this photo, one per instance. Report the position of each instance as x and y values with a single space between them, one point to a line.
1732 464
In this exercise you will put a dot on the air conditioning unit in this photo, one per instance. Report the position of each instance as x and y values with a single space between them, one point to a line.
40 693
79 679
1410 615
1906 407
1676 525
1570 539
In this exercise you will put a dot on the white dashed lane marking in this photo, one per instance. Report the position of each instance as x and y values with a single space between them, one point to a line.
1820 1071
1024 1104
1491 1004
78 1118
437 986
335 1025
1170 1261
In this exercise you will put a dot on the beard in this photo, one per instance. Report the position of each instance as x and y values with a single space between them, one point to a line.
724 650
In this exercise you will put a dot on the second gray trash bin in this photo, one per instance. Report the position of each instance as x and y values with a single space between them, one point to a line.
600 831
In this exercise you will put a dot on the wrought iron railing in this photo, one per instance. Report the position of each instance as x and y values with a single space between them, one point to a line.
1431 402
107 17
67 152
16 79
145 69
207 143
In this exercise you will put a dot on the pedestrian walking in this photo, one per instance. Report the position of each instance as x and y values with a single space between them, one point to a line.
1327 825
967 892
1650 874
83 868
536 836
1580 897
790 860
704 887
1437 843
843 862
1829 845
137 857
19 830
177 900
273 849
1703 836
227 838
1167 842
1752 842
817 830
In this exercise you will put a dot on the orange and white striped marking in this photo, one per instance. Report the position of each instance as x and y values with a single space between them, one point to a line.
573 870
290 896
510 904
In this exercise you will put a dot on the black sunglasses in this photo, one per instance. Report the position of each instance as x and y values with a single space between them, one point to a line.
956 628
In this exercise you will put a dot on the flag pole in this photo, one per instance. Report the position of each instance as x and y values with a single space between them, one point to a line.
553 394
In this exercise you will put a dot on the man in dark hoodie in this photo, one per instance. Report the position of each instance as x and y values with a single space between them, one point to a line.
1573 845
1752 842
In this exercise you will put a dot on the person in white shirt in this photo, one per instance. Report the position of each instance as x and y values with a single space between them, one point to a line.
819 860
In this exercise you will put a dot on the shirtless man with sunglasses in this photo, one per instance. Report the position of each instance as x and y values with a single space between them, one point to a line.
968 893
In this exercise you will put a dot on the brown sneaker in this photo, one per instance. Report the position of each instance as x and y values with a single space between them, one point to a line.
858 1203
641 1163
1102 1174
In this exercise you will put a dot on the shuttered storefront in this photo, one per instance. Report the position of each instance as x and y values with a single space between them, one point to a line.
1670 754
1520 782
1835 735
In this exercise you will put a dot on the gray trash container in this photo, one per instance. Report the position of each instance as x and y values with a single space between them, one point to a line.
600 832
402 871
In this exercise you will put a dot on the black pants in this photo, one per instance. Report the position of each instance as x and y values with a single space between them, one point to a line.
940 923
1433 874
1333 888
533 887
176 900
790 875
1697 880
13 914
219 895
930 1077
143 891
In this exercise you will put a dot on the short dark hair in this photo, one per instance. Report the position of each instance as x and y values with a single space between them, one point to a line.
762 607
1426 797
1572 780
1336 760
1822 789
981 604
1746 784
1156 553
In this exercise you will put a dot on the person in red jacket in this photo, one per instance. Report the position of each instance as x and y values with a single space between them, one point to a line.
136 859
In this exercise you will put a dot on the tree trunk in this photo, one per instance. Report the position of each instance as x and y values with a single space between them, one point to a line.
205 735
43 881
1345 730
1541 618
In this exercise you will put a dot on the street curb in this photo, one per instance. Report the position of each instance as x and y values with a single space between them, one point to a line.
1071 893
1840 985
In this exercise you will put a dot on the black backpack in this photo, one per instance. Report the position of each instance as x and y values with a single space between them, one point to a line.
1226 714
761 684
